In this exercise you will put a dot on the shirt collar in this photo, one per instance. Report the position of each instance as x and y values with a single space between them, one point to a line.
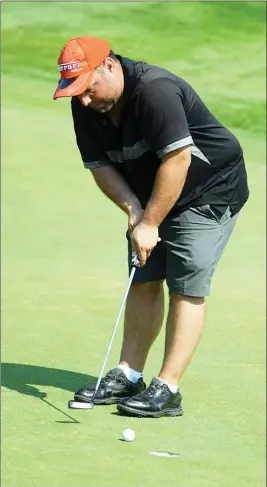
130 79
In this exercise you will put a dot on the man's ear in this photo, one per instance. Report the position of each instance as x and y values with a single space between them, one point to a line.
109 64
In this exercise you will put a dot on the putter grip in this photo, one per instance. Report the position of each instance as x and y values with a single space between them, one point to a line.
135 260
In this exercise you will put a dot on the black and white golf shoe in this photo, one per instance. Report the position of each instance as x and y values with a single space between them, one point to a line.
156 401
113 387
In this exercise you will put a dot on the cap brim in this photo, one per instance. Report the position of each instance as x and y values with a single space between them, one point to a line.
73 86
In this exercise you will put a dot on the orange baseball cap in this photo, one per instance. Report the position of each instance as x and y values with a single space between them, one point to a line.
77 62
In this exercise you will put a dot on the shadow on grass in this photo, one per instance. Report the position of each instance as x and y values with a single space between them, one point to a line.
23 378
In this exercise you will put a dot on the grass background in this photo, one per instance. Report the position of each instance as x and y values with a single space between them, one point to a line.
61 290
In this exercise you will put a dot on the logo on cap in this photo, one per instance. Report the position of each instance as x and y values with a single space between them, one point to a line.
69 67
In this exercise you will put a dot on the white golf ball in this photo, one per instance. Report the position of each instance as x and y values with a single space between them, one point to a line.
128 435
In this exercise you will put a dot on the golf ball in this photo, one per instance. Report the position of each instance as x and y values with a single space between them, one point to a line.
128 435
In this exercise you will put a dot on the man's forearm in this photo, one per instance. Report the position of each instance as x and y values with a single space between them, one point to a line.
116 188
168 186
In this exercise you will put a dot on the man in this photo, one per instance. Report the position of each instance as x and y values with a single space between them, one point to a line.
157 152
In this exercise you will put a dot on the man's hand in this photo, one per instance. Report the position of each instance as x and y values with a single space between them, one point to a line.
144 238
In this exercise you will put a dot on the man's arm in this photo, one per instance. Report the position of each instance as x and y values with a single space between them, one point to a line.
162 118
116 188
168 185
109 180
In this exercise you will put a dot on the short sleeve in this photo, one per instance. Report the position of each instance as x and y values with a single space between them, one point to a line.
161 116
92 153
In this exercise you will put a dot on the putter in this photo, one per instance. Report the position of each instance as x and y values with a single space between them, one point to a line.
89 405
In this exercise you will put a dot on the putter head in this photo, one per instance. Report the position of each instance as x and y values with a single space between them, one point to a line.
80 405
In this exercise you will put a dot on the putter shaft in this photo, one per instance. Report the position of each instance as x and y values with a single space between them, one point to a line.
114 332
80 405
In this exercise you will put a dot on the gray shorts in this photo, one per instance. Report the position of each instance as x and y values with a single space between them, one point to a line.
190 248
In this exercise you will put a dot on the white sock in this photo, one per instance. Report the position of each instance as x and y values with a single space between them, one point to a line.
173 387
131 374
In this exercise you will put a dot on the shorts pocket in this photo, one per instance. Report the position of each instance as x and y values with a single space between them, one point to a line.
208 212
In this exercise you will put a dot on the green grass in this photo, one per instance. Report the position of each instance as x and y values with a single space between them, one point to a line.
61 290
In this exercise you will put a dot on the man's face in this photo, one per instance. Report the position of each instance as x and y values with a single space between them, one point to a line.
105 88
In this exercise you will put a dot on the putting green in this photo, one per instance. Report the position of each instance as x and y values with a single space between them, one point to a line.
64 254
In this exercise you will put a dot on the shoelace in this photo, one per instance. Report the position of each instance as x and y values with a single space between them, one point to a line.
113 376
152 389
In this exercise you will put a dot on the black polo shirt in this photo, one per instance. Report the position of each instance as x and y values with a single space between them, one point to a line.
162 113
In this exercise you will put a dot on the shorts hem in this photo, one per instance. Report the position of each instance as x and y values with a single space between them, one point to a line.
191 292
144 280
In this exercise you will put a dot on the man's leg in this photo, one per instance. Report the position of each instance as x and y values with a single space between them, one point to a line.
184 327
195 241
202 236
143 319
142 323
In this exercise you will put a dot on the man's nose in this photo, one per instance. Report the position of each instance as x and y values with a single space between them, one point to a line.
85 100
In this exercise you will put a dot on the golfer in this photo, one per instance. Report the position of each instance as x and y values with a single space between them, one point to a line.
159 154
